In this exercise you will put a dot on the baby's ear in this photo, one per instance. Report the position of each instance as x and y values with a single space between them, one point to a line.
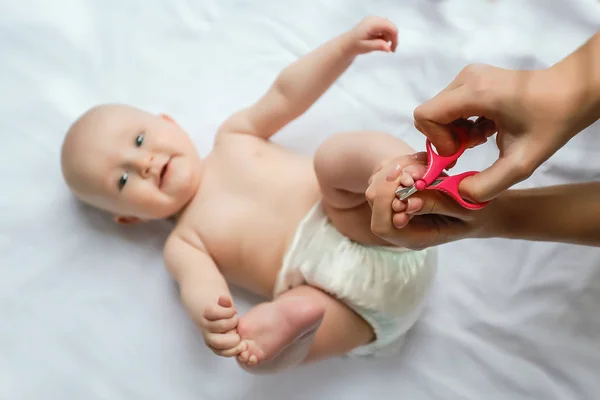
167 118
126 220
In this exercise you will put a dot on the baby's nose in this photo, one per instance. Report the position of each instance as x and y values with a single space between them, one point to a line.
147 168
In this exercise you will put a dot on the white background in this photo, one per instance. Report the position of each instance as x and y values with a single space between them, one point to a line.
87 310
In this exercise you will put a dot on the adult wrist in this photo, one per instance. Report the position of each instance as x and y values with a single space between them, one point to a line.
577 78
547 214
495 220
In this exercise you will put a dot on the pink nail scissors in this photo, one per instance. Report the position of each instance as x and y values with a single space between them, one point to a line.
446 184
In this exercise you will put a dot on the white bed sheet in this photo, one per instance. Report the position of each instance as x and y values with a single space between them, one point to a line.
88 312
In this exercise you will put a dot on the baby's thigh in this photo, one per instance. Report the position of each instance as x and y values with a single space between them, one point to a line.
345 162
354 223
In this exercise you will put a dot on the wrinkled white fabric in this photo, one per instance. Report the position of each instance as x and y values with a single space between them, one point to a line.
87 308
386 286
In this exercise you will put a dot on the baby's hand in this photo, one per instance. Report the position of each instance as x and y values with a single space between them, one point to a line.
219 324
374 34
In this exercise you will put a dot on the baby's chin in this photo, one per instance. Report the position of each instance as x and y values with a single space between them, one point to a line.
173 207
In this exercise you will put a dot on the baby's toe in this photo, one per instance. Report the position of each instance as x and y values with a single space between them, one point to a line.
236 351
243 357
398 205
252 354
416 171
400 220
406 179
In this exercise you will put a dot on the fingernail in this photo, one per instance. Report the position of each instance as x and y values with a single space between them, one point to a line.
393 175
420 156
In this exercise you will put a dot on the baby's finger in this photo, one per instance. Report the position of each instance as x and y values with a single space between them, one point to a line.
222 325
387 29
390 39
233 351
216 312
222 341
378 45
394 41
225 301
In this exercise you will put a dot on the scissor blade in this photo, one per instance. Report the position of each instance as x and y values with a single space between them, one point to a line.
406 192
436 182
400 191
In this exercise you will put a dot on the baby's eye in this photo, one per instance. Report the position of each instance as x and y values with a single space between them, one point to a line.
139 139
123 180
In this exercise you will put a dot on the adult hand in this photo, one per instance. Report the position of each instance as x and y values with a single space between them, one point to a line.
431 218
534 113
427 218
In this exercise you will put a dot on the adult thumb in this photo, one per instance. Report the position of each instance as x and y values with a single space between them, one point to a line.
489 183
436 202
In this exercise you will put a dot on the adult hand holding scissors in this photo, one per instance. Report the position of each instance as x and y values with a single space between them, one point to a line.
534 113
432 217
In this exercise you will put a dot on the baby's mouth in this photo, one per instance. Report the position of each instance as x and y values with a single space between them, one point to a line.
163 171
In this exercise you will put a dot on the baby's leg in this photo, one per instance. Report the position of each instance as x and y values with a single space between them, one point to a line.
304 324
343 164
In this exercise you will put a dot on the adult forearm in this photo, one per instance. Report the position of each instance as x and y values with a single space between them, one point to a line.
563 213
305 80
580 76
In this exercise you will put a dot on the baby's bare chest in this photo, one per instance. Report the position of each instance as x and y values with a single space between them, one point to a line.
252 201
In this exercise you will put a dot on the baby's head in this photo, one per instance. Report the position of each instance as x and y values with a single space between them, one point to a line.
135 165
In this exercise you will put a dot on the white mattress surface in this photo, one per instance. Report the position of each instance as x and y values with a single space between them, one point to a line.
87 310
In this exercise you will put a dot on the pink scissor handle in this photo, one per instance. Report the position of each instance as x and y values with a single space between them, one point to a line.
449 185
436 164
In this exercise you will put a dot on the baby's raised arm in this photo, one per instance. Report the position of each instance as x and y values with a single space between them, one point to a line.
204 292
300 84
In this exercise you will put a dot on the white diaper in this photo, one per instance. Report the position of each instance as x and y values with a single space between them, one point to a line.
386 286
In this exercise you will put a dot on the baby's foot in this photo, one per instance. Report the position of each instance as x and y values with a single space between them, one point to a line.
279 334
404 209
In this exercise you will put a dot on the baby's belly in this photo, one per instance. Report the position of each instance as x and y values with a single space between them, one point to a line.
263 244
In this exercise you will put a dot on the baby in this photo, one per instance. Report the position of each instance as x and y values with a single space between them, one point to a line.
292 229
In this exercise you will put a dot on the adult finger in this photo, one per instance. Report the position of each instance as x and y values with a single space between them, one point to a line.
500 176
434 116
435 202
381 216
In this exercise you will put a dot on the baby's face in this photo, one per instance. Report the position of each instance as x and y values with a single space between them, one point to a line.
134 164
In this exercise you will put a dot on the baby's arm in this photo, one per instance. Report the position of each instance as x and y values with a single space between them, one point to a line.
300 84
204 292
